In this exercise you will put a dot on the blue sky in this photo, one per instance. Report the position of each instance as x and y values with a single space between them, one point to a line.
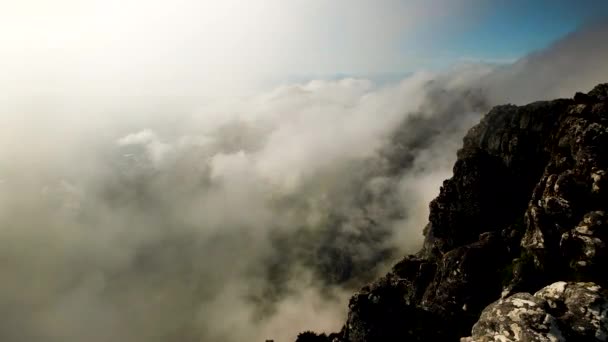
388 38
504 29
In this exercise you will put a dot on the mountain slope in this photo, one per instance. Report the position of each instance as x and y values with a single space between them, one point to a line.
526 207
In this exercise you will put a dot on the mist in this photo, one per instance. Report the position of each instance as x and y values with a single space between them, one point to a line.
166 191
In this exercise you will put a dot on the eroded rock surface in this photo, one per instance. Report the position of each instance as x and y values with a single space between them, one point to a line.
559 312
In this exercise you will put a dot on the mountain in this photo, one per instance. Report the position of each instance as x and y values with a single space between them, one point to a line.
516 246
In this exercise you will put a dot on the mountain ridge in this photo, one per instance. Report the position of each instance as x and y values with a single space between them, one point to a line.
525 210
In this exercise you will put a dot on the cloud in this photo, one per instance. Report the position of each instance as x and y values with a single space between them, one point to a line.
168 231
571 64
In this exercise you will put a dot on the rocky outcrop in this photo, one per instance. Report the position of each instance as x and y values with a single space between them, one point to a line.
558 312
526 207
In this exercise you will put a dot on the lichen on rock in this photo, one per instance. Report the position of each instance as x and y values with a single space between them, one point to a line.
558 312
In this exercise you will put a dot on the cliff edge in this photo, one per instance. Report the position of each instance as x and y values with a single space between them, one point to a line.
516 244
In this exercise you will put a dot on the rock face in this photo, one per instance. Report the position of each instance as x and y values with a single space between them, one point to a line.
526 208
559 312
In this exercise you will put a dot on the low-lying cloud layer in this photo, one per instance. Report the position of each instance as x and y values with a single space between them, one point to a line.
146 219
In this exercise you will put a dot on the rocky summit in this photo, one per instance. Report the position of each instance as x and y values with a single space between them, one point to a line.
516 247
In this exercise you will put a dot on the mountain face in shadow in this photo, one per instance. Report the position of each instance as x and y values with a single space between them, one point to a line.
516 244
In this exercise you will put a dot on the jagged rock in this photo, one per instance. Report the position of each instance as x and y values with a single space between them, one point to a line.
600 92
558 312
466 280
385 311
526 207
309 336
585 244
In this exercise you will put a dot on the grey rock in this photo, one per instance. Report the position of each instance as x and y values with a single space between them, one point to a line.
558 312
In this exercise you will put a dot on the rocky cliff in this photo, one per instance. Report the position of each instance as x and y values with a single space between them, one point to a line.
516 244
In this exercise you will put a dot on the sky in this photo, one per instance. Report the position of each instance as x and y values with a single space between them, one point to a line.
204 47
504 30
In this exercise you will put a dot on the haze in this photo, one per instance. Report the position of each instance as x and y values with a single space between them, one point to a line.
234 170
